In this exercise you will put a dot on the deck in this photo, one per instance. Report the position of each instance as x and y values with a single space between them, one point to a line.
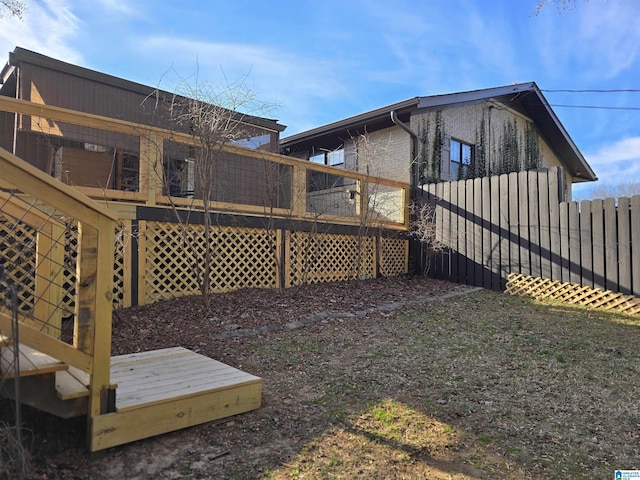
157 392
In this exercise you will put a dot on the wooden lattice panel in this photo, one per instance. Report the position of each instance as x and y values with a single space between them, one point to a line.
69 272
393 256
518 284
18 257
242 258
43 292
122 244
316 258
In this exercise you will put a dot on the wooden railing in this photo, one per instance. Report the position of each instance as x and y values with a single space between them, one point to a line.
51 213
86 151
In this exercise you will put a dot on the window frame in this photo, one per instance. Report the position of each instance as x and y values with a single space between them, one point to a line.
332 158
458 167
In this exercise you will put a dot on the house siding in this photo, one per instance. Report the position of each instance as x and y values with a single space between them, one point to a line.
385 153
463 123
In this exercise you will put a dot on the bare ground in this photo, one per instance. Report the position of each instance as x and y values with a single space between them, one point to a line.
388 378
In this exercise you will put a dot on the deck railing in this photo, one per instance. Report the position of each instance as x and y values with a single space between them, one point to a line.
56 242
113 160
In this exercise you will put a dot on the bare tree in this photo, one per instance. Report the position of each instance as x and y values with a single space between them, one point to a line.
214 116
627 188
561 5
424 229
16 8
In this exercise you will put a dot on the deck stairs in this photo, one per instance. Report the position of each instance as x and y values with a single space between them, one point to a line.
157 391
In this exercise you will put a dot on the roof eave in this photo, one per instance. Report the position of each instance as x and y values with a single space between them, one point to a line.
352 123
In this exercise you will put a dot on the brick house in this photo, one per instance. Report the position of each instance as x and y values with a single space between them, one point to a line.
449 137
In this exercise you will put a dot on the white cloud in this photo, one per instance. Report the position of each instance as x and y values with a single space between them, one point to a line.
618 161
270 74
119 6
46 28
595 41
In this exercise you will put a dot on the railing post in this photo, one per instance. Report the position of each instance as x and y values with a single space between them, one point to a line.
299 191
94 292
151 169
362 203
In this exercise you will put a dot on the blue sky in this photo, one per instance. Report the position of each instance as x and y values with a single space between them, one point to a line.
320 61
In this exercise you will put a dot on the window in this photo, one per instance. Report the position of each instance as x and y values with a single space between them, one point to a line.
255 142
333 158
460 159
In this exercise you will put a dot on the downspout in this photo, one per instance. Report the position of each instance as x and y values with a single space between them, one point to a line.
416 247
415 171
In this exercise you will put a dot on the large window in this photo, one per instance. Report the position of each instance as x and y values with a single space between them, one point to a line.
461 154
333 158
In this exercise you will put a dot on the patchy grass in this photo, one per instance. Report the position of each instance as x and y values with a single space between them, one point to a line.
478 386
482 386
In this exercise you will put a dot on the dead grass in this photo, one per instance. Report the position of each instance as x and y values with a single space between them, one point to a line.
485 386
478 386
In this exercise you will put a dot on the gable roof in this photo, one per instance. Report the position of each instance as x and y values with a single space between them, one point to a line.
528 96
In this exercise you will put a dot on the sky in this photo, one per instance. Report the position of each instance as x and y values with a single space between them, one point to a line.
311 62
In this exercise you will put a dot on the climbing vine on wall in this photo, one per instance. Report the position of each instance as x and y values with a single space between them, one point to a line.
431 144
509 149
423 155
478 167
531 148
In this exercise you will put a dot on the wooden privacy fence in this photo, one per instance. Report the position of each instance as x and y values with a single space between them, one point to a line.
517 223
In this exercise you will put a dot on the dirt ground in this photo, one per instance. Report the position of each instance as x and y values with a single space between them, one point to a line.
386 378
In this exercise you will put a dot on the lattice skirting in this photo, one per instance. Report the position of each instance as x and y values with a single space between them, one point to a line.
324 257
394 256
539 288
241 258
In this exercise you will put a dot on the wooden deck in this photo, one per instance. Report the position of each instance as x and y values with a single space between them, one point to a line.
157 392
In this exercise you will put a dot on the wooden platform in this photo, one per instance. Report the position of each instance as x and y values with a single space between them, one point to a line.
158 392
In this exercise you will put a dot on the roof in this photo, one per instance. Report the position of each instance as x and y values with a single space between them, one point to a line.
529 96
21 55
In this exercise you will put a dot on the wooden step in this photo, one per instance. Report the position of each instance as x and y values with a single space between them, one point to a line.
165 390
72 383
32 362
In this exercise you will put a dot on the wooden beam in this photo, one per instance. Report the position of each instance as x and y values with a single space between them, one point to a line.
47 189
34 338
118 428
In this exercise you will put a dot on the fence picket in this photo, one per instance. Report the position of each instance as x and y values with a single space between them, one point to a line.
554 223
586 252
611 245
485 249
597 235
523 231
624 246
462 233
574 243
545 220
514 243
634 234
535 253
564 241
503 229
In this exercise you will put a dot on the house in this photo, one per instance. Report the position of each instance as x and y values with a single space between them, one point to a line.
87 157
448 137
